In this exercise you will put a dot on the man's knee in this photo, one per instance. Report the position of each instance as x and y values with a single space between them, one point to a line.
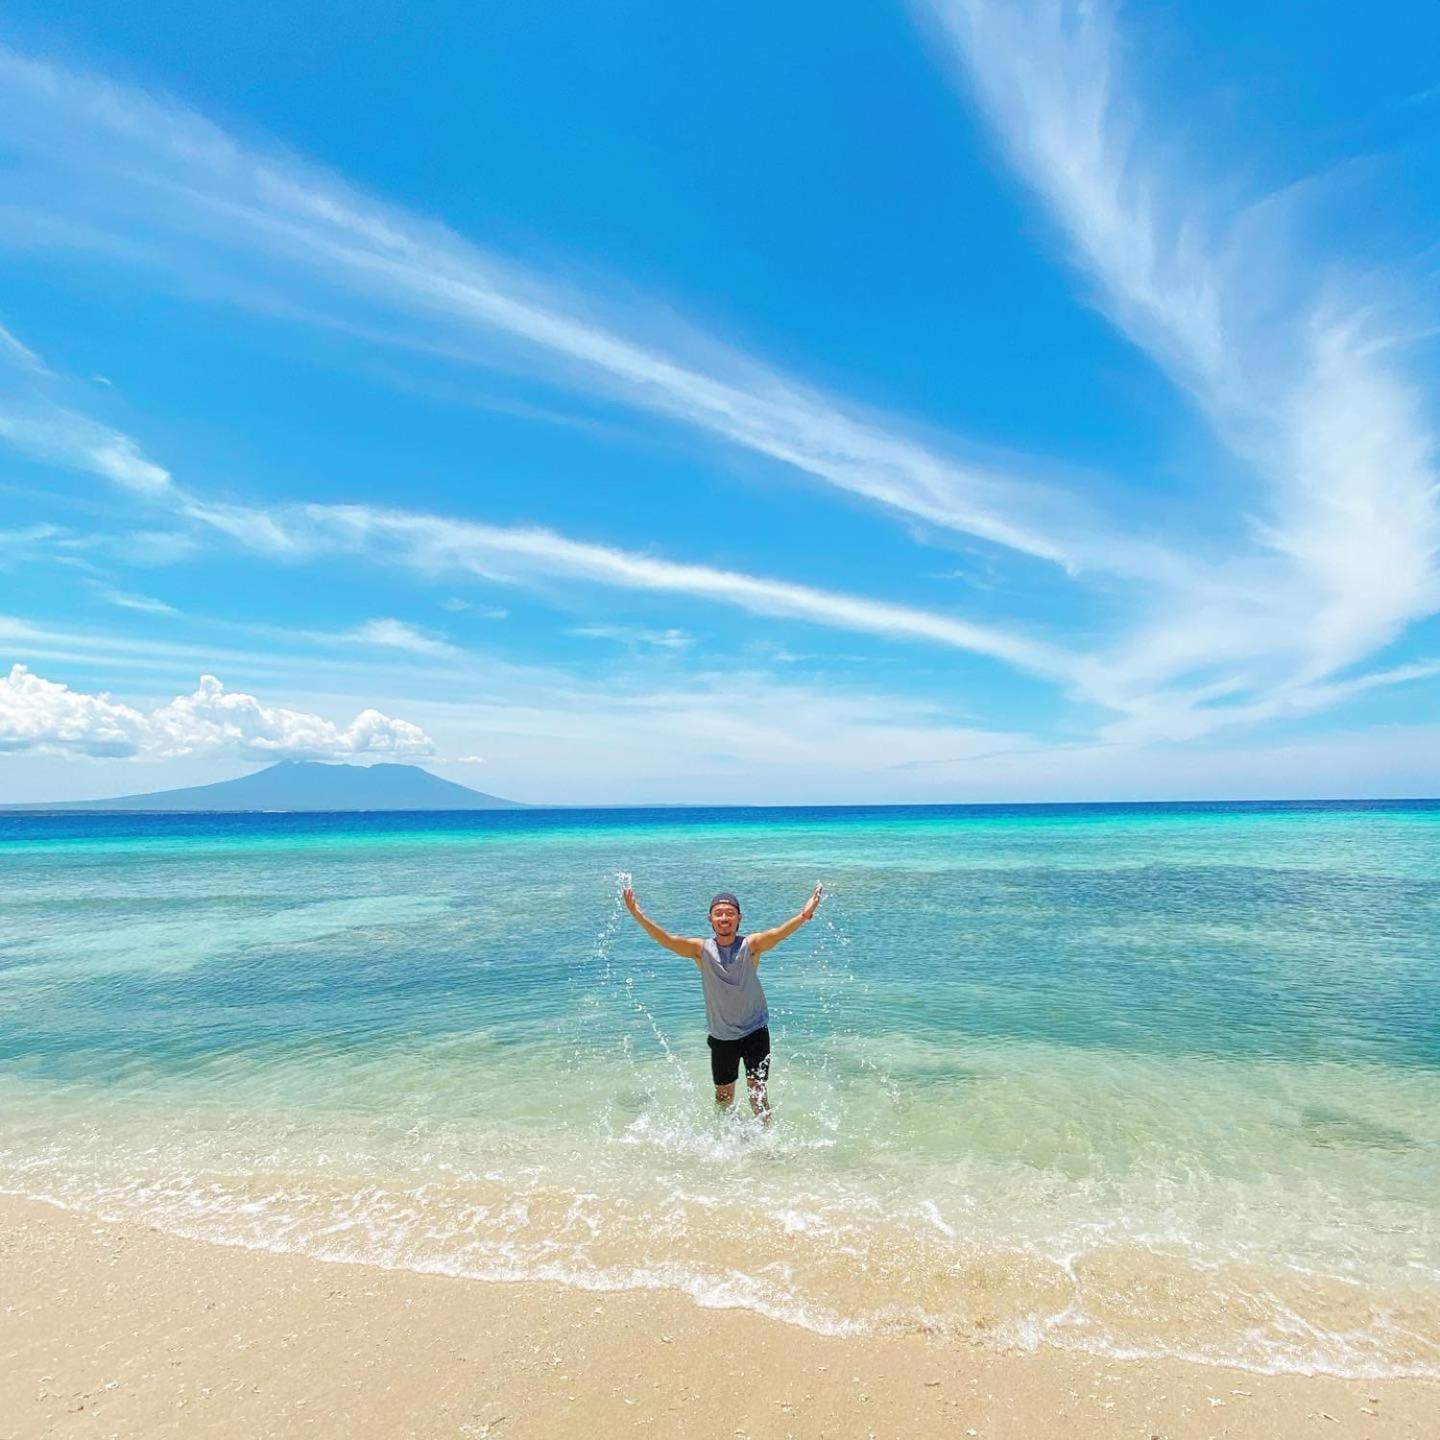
725 1095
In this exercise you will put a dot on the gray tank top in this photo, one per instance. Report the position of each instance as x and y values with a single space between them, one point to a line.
734 1002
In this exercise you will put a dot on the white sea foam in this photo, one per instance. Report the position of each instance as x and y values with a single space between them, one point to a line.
856 1270
931 1212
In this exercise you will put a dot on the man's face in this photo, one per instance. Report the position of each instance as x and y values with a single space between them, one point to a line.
724 921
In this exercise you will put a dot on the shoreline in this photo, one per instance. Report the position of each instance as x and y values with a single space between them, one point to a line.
116 1328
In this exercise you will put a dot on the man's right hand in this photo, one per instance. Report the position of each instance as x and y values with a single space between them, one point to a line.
676 944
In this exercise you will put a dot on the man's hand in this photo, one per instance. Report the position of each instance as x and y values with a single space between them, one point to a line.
763 940
813 903
676 944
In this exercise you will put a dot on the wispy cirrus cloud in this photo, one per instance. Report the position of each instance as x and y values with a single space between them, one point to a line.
14 352
670 638
1293 366
434 544
124 600
457 606
1186 715
445 546
59 435
36 422
400 635
173 191
439 546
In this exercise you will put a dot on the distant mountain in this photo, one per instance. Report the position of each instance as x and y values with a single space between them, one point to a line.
308 785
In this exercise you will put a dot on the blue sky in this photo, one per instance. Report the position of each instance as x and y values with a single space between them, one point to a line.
953 401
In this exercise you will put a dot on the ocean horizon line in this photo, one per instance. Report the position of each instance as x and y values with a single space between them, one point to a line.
517 808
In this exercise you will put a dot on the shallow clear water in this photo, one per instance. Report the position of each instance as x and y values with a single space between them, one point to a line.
1135 1079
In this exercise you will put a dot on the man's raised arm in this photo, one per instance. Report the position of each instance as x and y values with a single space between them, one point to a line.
677 944
764 940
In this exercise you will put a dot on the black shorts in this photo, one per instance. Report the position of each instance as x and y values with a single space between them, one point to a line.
726 1055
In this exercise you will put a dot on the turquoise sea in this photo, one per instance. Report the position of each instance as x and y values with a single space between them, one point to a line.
1138 1080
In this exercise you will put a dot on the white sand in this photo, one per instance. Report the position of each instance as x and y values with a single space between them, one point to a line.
119 1330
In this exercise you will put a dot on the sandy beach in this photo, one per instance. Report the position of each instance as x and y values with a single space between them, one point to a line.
117 1329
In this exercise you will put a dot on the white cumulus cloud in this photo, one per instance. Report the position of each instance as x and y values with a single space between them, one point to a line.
44 715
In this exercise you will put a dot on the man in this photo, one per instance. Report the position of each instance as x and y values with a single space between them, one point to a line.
735 1005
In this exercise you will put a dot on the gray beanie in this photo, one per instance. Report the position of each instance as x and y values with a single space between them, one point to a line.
725 898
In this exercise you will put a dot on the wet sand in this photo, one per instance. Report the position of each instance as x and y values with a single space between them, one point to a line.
115 1329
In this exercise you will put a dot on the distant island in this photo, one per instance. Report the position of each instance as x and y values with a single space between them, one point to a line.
307 785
